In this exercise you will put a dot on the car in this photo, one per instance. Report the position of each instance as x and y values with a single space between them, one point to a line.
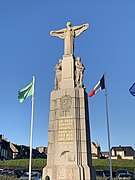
18 172
1 169
6 172
99 173
125 176
102 173
119 171
106 173
34 176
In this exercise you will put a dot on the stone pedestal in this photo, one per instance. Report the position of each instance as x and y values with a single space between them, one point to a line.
69 152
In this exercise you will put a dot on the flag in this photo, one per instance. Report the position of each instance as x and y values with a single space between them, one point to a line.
26 92
100 86
132 89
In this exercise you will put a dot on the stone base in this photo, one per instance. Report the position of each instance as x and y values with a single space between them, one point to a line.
68 173
69 151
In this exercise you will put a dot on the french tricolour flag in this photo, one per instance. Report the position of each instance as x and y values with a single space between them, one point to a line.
99 86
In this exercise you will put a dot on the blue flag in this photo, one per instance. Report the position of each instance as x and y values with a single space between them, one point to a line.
132 89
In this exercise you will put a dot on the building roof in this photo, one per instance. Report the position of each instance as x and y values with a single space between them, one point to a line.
128 150
4 144
13 148
118 148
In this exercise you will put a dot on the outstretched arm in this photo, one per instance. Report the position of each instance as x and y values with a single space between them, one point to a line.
59 33
79 29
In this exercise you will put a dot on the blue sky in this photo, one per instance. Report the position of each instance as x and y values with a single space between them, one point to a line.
27 49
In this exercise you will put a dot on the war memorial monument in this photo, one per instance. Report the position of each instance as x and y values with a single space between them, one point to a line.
69 145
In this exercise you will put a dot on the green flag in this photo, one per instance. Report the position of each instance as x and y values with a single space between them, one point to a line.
26 92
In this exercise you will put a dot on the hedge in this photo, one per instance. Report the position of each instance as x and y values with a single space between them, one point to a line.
23 163
97 163
116 164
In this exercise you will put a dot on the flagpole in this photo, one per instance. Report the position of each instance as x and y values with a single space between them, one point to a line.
31 131
108 130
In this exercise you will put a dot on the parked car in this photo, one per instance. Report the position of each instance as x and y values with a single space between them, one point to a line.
6 172
106 173
119 171
34 176
125 176
1 169
102 173
18 172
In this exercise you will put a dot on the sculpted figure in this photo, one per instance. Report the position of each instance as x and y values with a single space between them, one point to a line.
79 72
58 70
68 34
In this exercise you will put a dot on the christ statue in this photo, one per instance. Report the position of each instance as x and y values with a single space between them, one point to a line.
68 34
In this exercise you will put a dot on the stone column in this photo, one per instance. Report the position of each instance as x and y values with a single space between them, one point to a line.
67 72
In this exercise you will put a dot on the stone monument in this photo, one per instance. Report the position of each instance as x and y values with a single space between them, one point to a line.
69 145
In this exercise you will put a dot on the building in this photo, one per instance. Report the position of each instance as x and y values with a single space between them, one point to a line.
95 150
104 154
24 152
4 148
123 152
8 150
42 149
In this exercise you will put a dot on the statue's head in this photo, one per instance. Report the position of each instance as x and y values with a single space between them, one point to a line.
68 24
78 58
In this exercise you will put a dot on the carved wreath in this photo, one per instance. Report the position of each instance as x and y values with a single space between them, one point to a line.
66 102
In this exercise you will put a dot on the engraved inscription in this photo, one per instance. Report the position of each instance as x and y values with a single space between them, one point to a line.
65 130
